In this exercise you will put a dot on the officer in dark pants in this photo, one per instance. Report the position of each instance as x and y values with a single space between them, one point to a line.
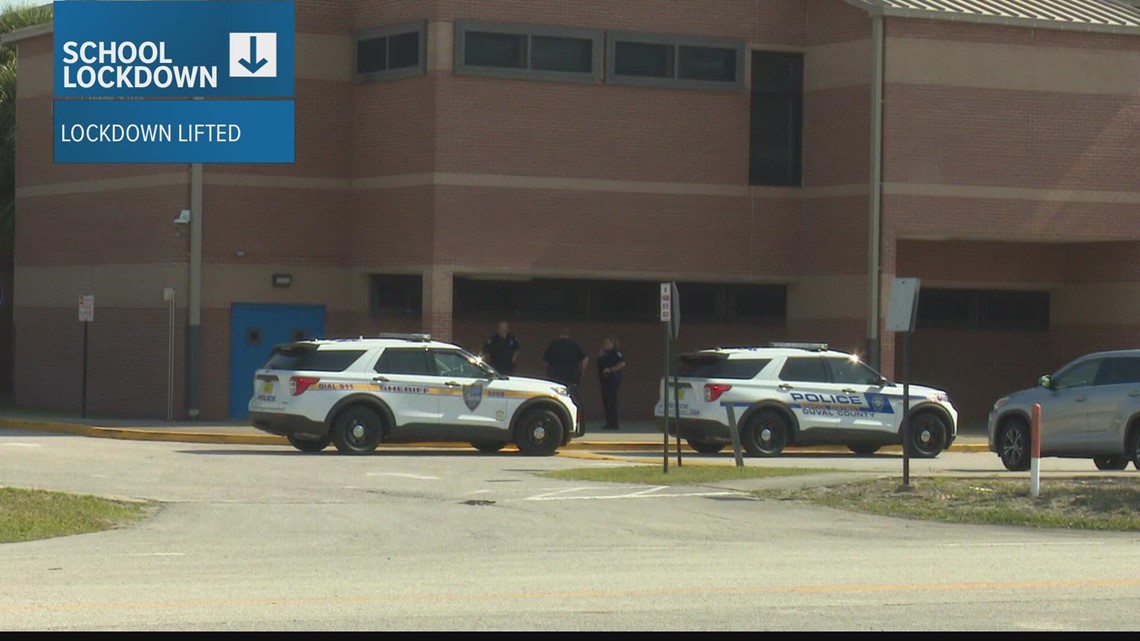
565 362
502 350
610 366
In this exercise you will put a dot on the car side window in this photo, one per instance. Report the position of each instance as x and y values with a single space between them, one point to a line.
1119 371
453 363
1080 375
403 361
805 370
849 371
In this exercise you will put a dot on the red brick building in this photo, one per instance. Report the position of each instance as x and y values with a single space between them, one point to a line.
550 162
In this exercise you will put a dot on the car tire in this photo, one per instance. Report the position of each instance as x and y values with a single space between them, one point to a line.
1111 463
928 434
705 447
357 430
864 450
309 445
488 447
539 433
1013 445
766 434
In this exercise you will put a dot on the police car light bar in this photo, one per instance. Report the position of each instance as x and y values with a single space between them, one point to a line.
423 338
812 346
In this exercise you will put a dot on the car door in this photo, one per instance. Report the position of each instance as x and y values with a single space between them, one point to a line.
1116 389
404 379
860 398
473 402
804 387
1064 413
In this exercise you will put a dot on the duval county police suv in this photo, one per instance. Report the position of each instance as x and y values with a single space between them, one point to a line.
802 393
358 393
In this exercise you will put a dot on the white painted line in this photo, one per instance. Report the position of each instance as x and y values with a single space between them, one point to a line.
405 476
537 497
478 492
635 495
1011 544
157 554
22 444
656 488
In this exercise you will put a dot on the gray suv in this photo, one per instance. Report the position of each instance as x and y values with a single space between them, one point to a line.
1089 409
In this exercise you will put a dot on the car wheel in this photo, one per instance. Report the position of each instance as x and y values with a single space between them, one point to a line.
488 446
308 444
864 450
357 430
1013 445
766 434
539 433
927 435
705 447
1110 463
1134 447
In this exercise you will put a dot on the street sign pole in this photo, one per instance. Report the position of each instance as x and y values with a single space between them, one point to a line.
666 323
734 430
902 312
83 398
906 407
86 317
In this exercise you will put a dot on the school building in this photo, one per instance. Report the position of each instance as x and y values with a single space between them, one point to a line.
550 163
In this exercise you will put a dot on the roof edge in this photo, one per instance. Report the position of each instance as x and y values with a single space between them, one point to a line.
877 9
33 31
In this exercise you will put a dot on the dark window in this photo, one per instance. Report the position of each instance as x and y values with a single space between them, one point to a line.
636 301
777 119
643 59
457 364
701 302
307 359
404 361
487 299
757 303
983 309
805 370
397 295
846 371
555 300
710 64
550 53
389 52
715 366
490 49
404 50
1119 371
371 55
945 308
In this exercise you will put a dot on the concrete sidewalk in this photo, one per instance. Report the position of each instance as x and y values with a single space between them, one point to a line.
633 436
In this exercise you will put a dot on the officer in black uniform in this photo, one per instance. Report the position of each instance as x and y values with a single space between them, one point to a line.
610 366
502 350
565 362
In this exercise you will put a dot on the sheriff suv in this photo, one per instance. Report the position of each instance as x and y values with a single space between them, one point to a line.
803 394
358 393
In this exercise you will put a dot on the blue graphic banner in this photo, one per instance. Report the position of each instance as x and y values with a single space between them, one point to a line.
221 48
173 131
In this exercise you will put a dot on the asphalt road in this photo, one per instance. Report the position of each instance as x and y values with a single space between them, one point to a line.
263 538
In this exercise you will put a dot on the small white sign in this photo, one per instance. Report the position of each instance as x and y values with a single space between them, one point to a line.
666 302
253 55
902 309
87 308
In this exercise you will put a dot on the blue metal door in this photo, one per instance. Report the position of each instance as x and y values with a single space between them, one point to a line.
254 330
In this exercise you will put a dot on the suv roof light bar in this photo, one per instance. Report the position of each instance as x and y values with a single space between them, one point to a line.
817 347
421 338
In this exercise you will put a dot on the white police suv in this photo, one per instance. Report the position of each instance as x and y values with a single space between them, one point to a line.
803 394
358 393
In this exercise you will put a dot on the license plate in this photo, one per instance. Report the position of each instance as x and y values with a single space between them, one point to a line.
267 387
681 394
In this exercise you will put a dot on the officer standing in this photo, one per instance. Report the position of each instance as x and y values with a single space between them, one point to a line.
502 350
611 362
565 362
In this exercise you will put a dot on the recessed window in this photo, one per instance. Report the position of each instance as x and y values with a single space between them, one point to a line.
528 51
397 295
701 302
674 61
761 304
776 153
389 52
983 309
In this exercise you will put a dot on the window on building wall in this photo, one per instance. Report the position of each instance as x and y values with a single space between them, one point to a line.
528 51
390 52
702 302
396 295
625 301
776 154
674 61
486 299
556 300
758 304
983 309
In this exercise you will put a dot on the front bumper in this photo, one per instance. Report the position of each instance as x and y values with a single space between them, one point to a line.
288 425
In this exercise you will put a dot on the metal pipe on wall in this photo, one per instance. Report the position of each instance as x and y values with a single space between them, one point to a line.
194 329
874 241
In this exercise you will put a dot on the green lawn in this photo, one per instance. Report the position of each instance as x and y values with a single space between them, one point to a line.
1106 503
26 515
684 475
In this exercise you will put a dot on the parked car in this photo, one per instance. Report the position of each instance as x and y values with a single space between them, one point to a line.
358 393
1090 408
801 393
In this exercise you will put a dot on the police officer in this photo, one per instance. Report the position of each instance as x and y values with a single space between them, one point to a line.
502 350
610 366
565 362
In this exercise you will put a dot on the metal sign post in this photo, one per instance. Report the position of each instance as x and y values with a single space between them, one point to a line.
734 430
86 317
666 318
168 296
902 312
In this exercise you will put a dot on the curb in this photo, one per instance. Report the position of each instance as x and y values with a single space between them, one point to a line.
215 438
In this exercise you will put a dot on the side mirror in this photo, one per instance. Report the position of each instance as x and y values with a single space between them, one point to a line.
1046 381
884 381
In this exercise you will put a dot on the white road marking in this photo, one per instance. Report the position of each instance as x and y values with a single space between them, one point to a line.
1019 544
635 495
477 492
544 495
656 488
22 444
157 554
405 476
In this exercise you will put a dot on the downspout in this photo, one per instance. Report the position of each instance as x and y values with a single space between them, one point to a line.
194 329
874 239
